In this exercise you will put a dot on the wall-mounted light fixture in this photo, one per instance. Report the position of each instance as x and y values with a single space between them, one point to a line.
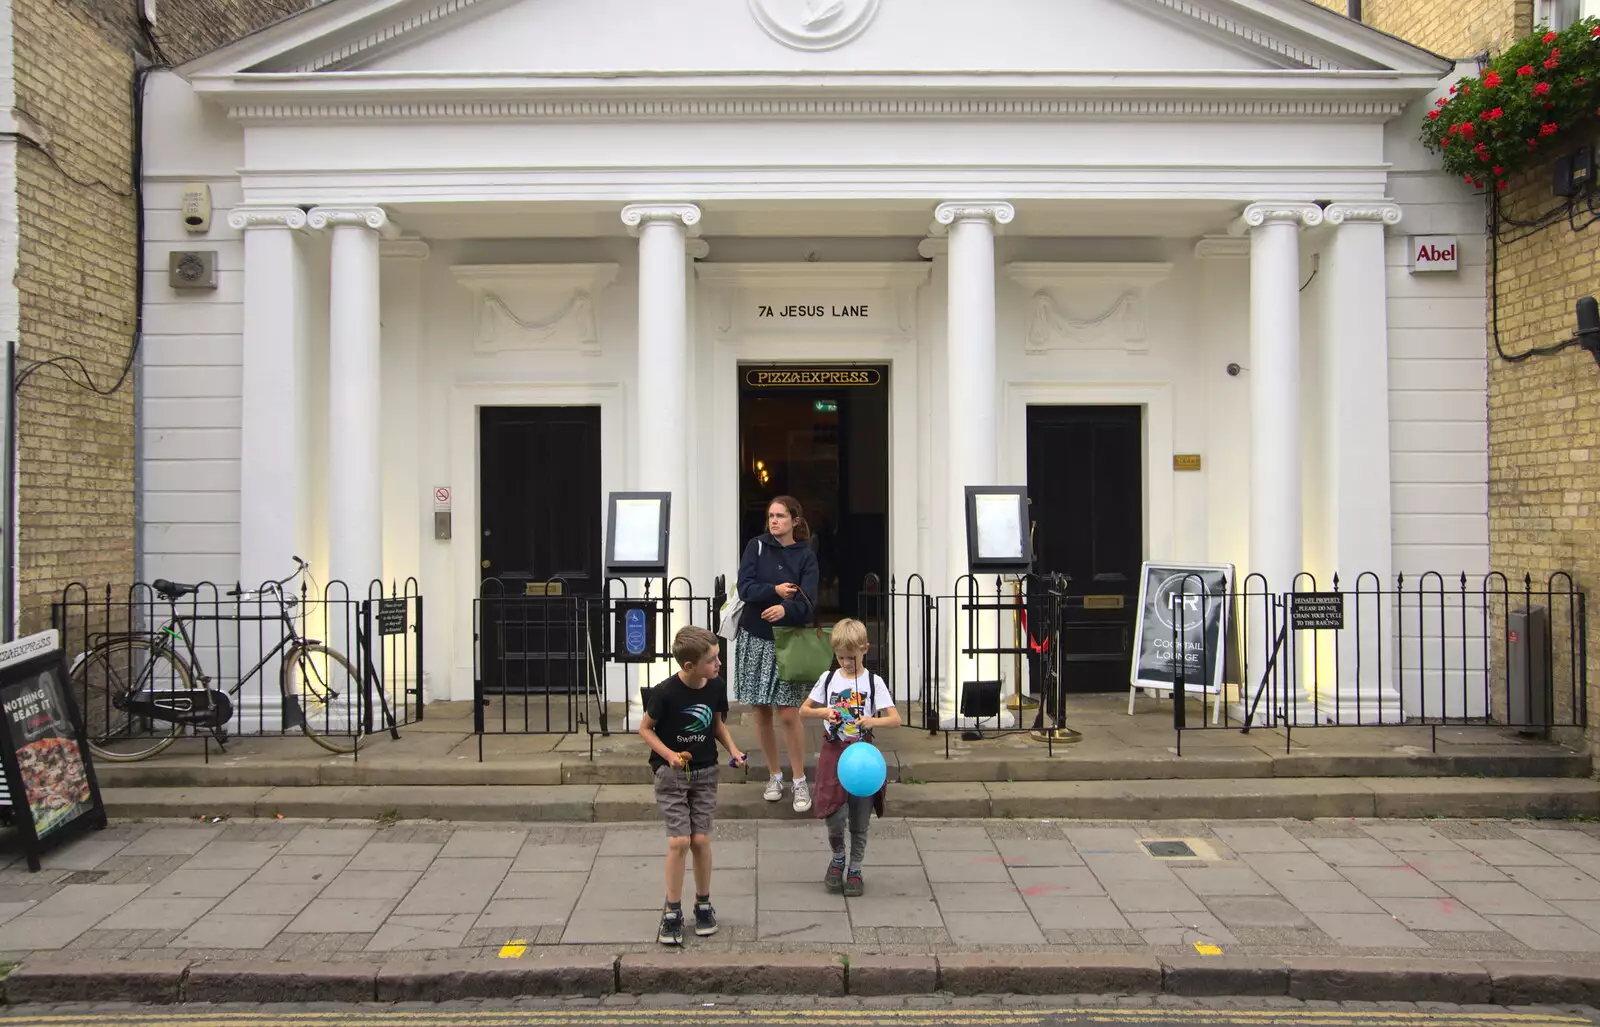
1588 333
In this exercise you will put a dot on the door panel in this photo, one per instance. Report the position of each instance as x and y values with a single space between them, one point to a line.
541 527
1086 483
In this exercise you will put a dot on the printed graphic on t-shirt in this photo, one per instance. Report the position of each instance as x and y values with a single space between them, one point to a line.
852 706
696 722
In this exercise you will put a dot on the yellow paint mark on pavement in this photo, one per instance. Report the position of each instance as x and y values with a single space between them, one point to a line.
1206 948
514 949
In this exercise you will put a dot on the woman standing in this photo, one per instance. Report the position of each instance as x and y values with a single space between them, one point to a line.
778 583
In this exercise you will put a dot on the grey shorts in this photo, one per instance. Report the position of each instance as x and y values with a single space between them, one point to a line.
688 801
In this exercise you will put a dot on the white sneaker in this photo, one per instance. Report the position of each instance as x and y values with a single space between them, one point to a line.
802 796
774 790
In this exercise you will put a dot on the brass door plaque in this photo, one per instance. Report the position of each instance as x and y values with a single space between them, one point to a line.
542 588
1103 602
1186 462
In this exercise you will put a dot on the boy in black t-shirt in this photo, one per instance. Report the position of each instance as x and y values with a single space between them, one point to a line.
683 723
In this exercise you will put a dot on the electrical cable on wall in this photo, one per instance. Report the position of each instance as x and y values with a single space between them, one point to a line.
1497 220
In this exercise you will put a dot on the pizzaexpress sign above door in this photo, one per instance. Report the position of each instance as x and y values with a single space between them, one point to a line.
811 377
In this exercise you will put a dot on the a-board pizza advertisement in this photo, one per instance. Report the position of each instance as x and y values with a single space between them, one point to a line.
48 768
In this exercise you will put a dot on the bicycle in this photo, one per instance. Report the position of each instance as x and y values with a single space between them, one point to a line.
139 693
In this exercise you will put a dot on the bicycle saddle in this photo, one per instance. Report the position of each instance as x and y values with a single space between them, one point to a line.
170 590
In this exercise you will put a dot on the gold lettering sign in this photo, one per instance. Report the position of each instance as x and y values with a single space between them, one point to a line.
800 377
1102 602
1186 462
543 588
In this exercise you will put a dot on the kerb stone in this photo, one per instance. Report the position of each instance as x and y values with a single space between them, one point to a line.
892 975
280 982
1203 976
1534 983
731 974
153 981
1044 974
546 975
1374 979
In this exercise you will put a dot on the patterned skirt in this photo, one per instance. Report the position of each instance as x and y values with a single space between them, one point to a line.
755 675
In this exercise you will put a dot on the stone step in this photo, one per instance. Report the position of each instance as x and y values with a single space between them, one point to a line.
1218 798
188 769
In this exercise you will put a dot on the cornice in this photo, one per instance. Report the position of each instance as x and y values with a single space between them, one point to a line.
1384 213
404 249
1222 247
245 218
671 109
1252 36
387 34
363 216
820 275
636 215
1279 213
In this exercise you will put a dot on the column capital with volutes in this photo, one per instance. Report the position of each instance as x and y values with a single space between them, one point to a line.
245 218
1258 215
1382 212
353 216
636 215
993 212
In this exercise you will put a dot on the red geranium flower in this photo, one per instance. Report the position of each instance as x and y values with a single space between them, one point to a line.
1549 37
1551 63
1491 80
1468 129
1492 115
1525 70
1440 102
1498 170
1594 33
1541 89
1580 81
1549 128
1555 51
1500 186
1433 115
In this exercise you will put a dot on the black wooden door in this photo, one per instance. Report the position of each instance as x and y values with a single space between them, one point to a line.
1086 482
540 545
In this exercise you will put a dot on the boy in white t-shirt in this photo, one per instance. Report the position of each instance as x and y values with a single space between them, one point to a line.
854 703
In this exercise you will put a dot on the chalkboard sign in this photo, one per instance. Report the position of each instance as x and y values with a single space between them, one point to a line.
1187 606
48 768
1317 611
392 616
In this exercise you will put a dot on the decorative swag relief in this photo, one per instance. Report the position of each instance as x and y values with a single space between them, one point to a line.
1087 306
536 306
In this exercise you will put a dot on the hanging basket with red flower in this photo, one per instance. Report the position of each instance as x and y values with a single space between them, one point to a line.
1517 114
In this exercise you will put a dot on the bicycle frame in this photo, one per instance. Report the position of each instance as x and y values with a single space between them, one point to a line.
290 639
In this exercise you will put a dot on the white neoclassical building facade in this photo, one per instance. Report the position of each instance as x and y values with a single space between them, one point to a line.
1150 258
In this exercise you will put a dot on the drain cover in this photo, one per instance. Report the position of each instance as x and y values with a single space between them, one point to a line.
1170 850
83 877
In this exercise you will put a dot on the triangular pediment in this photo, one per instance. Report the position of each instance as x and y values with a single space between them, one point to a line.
810 37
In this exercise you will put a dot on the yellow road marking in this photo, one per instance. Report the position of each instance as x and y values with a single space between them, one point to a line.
513 949
1206 948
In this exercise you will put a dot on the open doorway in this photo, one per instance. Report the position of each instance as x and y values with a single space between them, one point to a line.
820 434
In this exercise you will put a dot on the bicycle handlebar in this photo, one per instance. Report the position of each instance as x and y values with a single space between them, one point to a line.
300 567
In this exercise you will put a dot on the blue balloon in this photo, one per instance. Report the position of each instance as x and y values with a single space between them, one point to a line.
861 769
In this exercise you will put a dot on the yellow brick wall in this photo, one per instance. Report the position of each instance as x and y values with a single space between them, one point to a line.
1464 28
75 278
1544 413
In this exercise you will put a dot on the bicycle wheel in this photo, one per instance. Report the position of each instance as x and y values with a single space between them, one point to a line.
327 690
106 676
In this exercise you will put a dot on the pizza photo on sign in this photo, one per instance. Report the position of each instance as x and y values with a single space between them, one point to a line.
54 779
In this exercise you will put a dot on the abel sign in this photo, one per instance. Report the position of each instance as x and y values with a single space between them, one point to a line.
1434 253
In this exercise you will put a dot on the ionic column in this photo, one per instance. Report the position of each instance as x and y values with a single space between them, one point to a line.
662 415
1275 475
355 478
973 451
274 442
1355 454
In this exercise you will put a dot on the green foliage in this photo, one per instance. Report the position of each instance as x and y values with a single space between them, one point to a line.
1519 112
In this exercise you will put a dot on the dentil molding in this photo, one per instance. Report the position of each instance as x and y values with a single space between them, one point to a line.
1087 305
243 218
814 24
636 215
535 306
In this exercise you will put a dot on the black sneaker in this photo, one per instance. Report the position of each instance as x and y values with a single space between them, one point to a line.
833 880
671 932
852 885
705 919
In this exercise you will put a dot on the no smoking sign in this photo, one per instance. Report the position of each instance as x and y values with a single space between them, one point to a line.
441 498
